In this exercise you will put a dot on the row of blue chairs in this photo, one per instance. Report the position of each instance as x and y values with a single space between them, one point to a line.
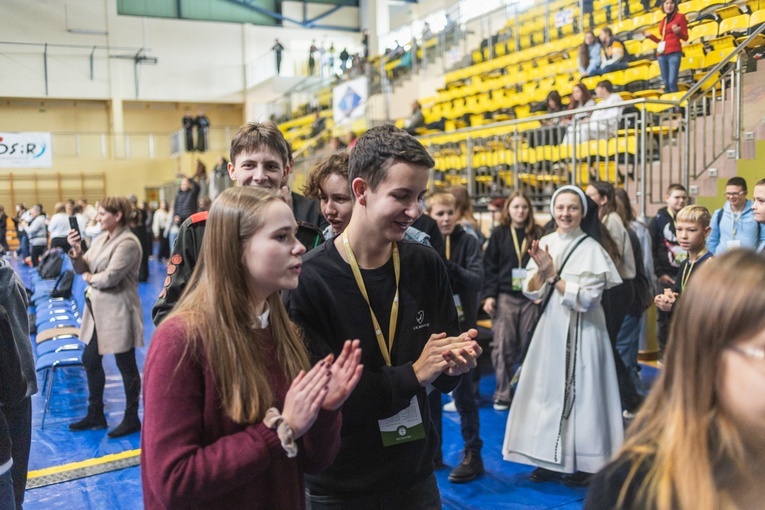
57 320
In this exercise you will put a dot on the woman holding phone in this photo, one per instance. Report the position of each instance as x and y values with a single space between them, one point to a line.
112 322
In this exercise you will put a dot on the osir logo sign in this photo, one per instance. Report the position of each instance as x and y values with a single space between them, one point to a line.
25 150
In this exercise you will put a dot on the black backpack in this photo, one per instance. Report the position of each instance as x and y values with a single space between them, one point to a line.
51 263
63 285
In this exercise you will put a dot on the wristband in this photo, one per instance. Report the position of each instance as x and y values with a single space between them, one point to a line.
275 421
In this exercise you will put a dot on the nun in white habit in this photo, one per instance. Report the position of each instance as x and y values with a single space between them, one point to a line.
566 417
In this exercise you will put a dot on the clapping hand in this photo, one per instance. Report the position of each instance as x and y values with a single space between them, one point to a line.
462 356
306 396
345 374
665 301
543 260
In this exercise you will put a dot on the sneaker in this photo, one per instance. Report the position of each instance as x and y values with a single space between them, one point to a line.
501 405
468 470
450 407
543 475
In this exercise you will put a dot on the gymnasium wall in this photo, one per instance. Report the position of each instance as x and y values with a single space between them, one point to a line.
197 61
199 65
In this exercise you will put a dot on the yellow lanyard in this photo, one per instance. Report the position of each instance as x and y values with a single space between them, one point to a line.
519 249
449 247
385 349
688 270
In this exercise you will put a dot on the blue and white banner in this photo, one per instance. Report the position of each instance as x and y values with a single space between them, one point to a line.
350 100
25 150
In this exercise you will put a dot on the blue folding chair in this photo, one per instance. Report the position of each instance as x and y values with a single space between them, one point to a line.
48 364
58 344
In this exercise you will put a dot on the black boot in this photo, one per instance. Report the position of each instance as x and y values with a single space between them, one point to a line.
130 424
95 419
467 470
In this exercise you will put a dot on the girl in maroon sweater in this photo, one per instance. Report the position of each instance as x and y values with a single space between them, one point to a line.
672 30
234 415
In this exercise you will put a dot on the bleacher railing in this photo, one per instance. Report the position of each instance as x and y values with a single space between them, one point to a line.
655 142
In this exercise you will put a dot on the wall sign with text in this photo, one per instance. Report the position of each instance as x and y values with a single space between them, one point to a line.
25 150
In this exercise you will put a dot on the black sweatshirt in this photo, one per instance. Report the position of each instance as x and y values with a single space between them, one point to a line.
330 309
499 261
465 269
664 244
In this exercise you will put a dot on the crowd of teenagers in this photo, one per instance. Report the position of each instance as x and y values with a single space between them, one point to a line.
295 367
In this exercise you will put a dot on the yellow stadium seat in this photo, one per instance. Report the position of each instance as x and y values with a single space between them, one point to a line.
703 32
727 12
735 25
691 9
714 57
709 6
724 43
693 50
757 18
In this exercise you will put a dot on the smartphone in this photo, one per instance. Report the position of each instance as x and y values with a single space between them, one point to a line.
74 226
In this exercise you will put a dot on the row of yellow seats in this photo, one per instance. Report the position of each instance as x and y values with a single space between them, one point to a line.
514 75
539 50
495 154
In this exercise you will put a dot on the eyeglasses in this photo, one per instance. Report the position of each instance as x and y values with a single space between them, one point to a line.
750 351
734 193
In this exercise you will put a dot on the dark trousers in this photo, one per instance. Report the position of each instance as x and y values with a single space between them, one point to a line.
422 495
616 302
164 246
467 407
19 420
3 241
59 242
36 252
94 369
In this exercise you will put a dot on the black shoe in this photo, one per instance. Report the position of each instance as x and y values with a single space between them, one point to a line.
130 424
543 475
578 479
95 419
468 470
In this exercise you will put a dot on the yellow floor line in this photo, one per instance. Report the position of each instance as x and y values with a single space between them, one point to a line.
84 463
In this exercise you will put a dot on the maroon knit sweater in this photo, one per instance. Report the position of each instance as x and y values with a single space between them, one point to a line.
194 456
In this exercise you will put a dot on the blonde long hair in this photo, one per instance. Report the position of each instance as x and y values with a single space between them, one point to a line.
219 315
681 432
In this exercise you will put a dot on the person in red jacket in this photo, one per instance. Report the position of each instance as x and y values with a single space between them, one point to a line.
234 414
672 29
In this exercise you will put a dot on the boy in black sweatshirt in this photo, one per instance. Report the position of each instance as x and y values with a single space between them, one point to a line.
395 297
667 252
464 265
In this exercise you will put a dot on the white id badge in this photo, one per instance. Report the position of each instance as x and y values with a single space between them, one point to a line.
519 275
460 310
734 244
403 427
660 48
